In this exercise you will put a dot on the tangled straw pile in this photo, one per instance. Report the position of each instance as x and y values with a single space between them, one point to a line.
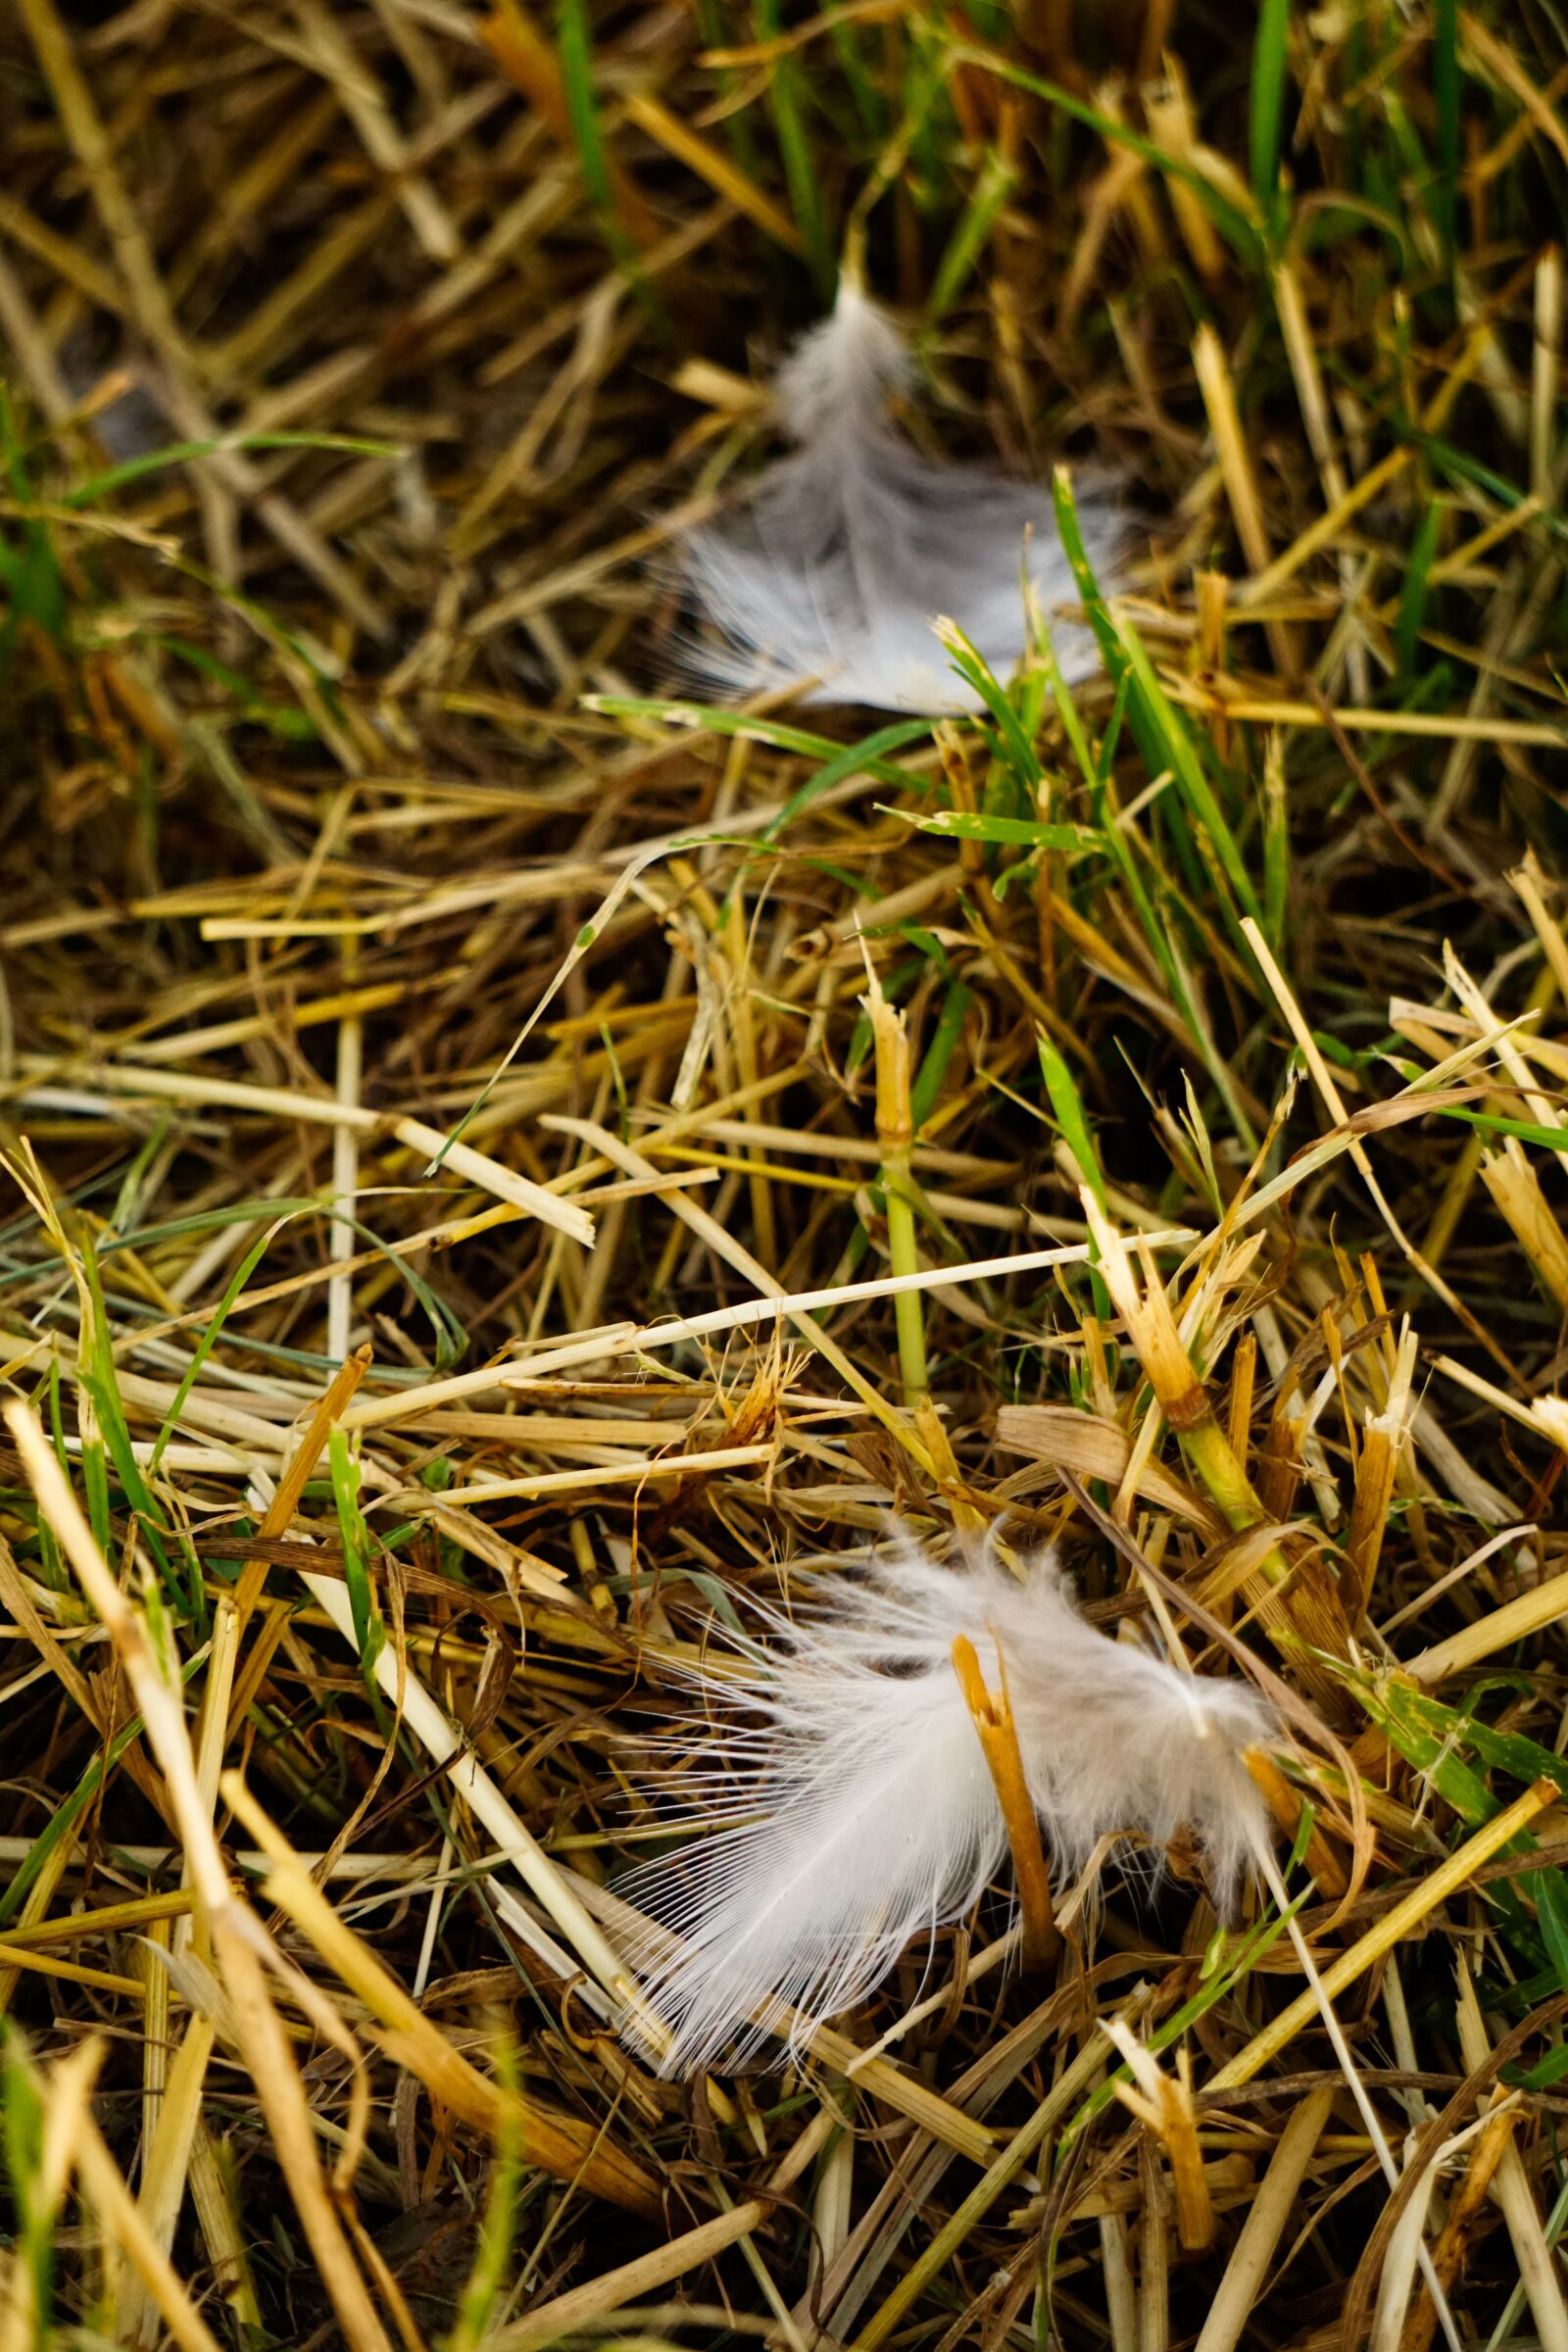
1187 1176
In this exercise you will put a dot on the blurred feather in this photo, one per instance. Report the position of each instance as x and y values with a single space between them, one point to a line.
830 576
856 1811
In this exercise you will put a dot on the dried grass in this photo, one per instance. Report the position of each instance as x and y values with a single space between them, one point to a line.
740 1134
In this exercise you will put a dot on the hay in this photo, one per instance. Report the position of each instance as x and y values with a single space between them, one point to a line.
463 1229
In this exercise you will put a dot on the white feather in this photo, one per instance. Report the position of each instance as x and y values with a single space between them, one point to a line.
849 549
858 1810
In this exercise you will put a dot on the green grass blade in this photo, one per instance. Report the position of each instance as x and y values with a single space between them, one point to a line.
1181 756
1550 1895
184 453
1067 1104
1232 222
30 578
1012 743
937 1058
205 1345
1413 592
369 1627
864 758
62 1828
21 2142
971 824
801 174
574 45
498 2228
992 189
100 1378
1266 117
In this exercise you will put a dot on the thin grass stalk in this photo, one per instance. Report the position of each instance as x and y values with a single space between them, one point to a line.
1453 1872
618 1338
138 2320
1153 2254
1492 2144
222 2233
1266 2217
555 2141
1167 108
1319 1994
1544 361
1539 2274
1240 483
345 1175
221 1706
1076 2079
1384 1439
1121 2298
40 1894
167 2153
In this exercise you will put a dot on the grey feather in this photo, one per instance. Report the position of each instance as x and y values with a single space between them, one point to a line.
830 576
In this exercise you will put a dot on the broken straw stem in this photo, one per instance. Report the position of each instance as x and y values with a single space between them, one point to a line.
1163 2105
1285 1806
895 1133
997 1734
1178 1387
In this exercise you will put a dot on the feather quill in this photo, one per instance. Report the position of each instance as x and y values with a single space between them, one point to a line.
829 577
857 1810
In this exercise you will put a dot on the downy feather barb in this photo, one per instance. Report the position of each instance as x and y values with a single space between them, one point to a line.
828 578
856 1811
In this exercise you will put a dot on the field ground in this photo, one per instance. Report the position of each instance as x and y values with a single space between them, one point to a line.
361 847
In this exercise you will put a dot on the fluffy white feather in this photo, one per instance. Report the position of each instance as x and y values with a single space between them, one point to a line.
857 1808
847 548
